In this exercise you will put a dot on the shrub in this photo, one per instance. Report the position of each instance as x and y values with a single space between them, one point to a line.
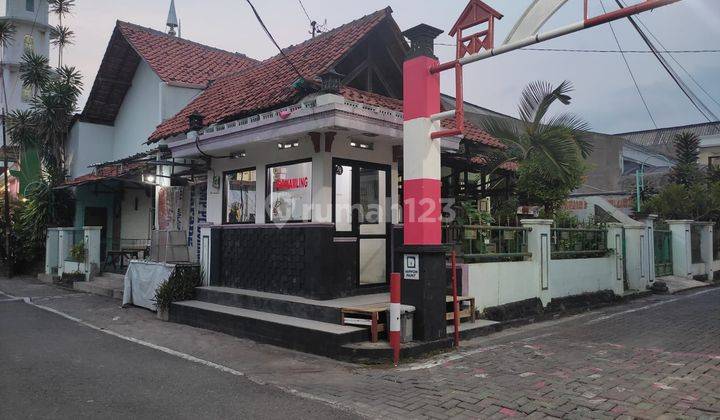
77 252
180 286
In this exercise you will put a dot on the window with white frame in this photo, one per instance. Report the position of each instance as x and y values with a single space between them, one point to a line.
240 196
290 192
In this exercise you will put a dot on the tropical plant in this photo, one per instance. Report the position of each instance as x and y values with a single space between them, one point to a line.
687 148
61 37
35 71
7 35
180 286
77 252
551 150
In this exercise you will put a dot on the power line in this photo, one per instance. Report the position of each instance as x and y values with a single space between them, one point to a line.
272 38
697 102
584 50
306 12
670 53
632 76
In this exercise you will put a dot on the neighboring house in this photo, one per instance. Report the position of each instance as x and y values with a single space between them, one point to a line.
145 77
660 142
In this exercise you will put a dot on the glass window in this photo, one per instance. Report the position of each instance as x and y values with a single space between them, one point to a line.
240 196
343 198
290 195
29 43
369 195
30 5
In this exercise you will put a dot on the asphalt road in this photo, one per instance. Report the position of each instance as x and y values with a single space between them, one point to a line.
52 367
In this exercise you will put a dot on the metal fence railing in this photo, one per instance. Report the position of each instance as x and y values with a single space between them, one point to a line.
476 243
663 253
578 243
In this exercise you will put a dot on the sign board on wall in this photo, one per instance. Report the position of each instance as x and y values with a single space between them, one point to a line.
411 267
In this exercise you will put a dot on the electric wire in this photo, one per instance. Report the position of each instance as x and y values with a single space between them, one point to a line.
272 38
306 12
697 102
632 75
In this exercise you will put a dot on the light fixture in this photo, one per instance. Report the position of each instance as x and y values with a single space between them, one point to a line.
238 155
149 178
362 145
288 145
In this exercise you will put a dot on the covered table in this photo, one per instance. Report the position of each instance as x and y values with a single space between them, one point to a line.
142 280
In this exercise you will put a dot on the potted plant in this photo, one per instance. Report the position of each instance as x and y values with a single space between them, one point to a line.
178 287
76 262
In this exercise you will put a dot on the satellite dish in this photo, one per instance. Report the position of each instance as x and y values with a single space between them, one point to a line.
533 19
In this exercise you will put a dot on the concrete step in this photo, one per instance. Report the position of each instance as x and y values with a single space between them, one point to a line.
48 278
293 306
286 331
101 286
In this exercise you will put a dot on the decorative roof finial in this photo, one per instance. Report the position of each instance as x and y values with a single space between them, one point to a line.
172 20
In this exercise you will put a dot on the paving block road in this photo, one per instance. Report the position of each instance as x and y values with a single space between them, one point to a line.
656 357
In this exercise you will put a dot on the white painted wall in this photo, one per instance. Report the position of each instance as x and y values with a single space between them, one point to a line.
495 284
258 156
88 144
135 223
139 114
578 276
173 99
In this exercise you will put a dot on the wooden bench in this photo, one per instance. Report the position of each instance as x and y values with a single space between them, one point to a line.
465 312
365 316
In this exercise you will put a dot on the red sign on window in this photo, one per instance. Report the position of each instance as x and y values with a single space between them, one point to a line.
290 184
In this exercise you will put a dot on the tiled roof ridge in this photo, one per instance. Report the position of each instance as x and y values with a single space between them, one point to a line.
670 128
121 23
303 44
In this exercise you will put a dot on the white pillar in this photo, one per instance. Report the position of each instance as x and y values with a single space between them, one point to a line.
681 250
706 247
92 246
649 222
52 249
637 257
205 253
539 247
65 243
617 272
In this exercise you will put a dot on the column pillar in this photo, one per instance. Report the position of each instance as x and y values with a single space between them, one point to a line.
681 247
614 242
539 247
636 257
92 246
649 222
426 289
706 247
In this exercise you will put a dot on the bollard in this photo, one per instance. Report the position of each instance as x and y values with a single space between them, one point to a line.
394 332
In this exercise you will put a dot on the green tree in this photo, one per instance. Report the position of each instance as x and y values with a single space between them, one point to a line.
687 148
551 150
62 36
35 71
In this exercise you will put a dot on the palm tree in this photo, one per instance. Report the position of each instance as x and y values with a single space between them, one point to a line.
35 71
61 37
61 8
560 142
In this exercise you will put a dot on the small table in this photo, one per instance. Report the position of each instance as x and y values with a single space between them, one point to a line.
464 313
365 316
120 255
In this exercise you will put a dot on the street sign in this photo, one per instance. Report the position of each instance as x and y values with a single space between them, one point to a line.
411 267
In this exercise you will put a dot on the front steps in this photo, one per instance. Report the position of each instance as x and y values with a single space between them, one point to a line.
288 321
109 285
286 331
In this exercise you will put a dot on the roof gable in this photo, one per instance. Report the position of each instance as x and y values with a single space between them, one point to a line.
174 60
270 84
475 12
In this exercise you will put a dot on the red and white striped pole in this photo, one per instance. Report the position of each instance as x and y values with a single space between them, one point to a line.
394 333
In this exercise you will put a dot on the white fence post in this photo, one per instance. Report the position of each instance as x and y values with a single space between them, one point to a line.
52 249
92 245
614 242
637 257
649 221
706 247
539 246
681 247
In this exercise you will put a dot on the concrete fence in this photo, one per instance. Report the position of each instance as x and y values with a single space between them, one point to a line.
627 266
59 243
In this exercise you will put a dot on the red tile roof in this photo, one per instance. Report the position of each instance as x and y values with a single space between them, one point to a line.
107 172
179 60
269 84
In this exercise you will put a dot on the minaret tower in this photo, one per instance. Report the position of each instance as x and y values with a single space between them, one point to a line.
32 33
172 20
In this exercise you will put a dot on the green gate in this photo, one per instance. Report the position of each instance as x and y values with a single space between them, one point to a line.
663 253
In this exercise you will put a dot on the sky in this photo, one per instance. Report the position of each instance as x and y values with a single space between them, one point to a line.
604 95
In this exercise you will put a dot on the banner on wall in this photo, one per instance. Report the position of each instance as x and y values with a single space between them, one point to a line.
170 208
